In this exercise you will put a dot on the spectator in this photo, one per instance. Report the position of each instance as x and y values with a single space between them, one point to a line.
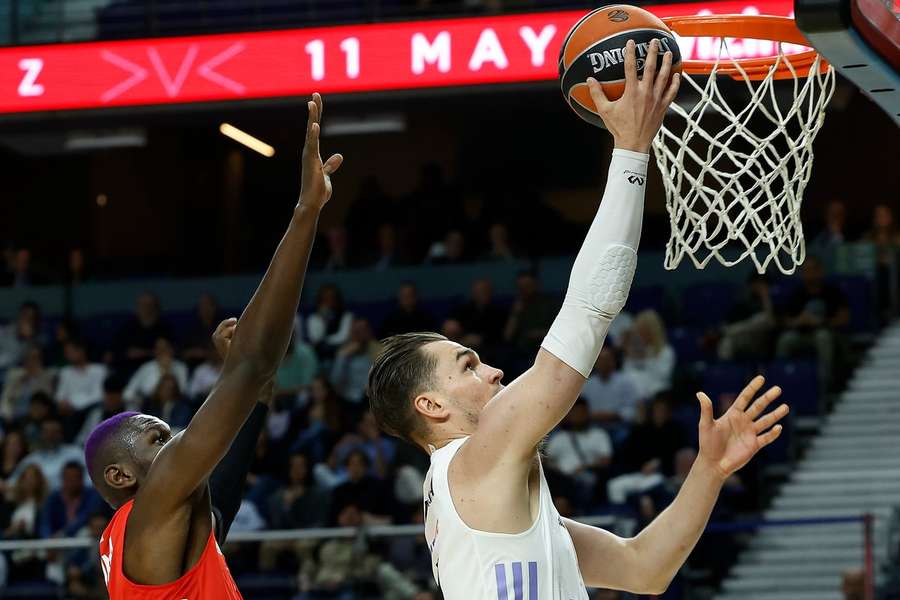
350 371
168 404
325 421
612 395
84 576
14 449
197 348
205 375
51 454
648 452
581 451
55 352
113 403
531 316
298 368
22 383
500 247
145 380
369 494
40 408
27 498
328 328
388 253
20 335
407 316
450 251
136 341
80 382
886 237
748 331
339 253
814 315
76 272
20 275
453 330
482 319
649 358
68 508
832 235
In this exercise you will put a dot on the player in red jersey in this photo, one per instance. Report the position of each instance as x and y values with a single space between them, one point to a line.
159 483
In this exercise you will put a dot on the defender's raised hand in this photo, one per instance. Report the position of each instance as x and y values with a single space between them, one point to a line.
315 186
635 118
729 442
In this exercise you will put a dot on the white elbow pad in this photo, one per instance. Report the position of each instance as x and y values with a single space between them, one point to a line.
604 269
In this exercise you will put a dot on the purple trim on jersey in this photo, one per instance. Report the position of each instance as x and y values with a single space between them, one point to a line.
532 581
101 433
500 574
517 580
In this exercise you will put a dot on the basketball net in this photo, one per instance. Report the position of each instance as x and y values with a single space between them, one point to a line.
735 171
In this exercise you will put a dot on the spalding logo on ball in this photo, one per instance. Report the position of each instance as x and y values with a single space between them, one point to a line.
595 47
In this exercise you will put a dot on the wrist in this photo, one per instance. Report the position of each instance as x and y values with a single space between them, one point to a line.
632 145
306 210
711 470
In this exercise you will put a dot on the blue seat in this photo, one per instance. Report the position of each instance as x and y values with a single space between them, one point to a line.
799 383
647 297
706 304
685 342
858 290
725 378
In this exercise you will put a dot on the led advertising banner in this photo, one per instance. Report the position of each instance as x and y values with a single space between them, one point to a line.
356 58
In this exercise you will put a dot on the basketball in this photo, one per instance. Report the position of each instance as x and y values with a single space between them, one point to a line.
595 47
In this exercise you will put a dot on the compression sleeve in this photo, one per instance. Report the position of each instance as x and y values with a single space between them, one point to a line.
604 268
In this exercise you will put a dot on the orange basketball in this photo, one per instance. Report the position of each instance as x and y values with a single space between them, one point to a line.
595 47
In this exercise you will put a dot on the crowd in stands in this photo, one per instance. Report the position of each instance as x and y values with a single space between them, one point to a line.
625 447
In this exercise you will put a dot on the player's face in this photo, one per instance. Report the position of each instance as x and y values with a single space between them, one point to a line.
150 436
464 380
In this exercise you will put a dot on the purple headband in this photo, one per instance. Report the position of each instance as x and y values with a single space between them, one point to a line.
101 433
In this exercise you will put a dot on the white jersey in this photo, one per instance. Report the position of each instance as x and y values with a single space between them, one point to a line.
538 564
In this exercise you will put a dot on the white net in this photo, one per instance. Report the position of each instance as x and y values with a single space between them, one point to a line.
736 163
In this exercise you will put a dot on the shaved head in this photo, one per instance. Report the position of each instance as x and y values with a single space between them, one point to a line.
111 442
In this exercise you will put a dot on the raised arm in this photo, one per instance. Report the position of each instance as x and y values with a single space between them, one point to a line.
260 340
515 420
646 563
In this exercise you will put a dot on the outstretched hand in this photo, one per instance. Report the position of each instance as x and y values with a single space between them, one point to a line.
729 442
635 118
315 186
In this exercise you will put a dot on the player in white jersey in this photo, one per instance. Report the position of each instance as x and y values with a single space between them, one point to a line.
493 531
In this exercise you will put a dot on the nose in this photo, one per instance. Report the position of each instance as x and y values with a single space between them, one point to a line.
496 376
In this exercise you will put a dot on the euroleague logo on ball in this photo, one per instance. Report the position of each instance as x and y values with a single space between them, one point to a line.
617 15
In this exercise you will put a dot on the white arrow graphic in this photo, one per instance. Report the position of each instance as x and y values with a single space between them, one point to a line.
206 70
138 74
173 87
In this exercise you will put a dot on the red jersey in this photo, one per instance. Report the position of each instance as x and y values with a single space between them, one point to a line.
209 579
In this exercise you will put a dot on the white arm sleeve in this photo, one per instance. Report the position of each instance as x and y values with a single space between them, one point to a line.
603 270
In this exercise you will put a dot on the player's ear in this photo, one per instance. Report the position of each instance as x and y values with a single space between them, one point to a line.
432 406
119 476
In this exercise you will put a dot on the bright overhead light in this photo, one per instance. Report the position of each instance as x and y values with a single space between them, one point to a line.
242 137
387 123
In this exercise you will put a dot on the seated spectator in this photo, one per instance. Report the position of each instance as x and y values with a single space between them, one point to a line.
339 252
648 453
832 234
22 383
112 404
136 340
13 450
19 274
205 375
328 328
581 451
325 421
300 503
80 383
367 438
530 319
500 246
195 342
76 268
482 319
18 336
649 358
388 253
169 404
298 368
407 316
51 454
84 575
747 333
55 352
67 509
814 315
22 522
612 395
450 251
369 494
145 380
350 371
886 237
40 408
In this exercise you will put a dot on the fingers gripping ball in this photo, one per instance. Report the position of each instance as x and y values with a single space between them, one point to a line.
595 47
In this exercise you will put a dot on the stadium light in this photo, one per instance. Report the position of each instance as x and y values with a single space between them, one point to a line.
242 137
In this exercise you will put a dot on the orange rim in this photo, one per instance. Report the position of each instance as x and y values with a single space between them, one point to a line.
758 27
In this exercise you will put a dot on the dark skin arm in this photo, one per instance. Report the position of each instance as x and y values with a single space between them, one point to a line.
170 522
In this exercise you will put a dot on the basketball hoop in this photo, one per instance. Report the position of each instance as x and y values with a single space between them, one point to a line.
735 164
